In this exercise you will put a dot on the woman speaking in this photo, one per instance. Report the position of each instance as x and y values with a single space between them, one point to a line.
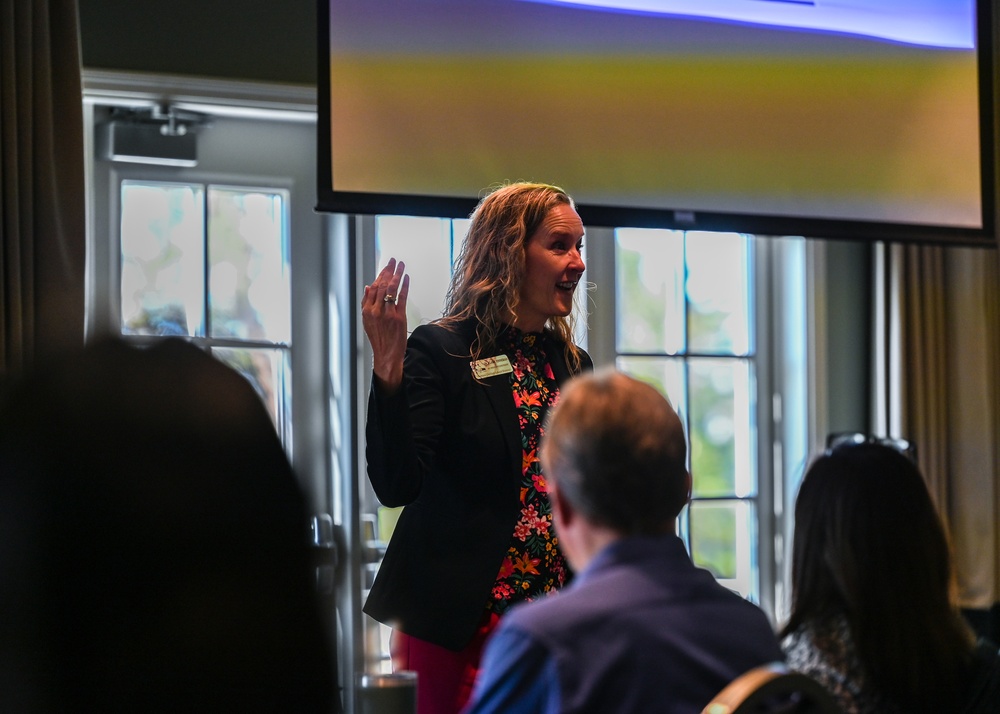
455 416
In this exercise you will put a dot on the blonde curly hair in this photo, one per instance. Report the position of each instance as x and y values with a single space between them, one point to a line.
488 274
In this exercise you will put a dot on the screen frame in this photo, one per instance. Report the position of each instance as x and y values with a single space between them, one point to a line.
331 200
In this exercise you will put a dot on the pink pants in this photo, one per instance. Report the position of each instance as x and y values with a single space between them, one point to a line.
444 677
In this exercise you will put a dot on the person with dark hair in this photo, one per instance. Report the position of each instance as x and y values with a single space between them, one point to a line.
455 416
873 616
153 543
640 629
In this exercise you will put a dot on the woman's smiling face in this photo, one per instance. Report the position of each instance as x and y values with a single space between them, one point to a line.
552 268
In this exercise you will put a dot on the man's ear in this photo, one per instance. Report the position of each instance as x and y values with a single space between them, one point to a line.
562 510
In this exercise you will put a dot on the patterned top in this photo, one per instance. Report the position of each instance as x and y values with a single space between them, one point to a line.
826 653
534 564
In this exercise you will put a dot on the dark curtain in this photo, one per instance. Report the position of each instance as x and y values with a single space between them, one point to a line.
42 200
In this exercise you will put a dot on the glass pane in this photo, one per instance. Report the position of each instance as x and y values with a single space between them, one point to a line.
649 285
163 274
268 372
722 534
722 459
249 289
424 244
718 293
664 373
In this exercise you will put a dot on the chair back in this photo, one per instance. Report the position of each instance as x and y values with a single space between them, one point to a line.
773 689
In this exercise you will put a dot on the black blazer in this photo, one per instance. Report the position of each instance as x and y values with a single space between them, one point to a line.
449 449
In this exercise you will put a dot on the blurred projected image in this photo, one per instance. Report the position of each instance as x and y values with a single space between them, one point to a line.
934 23
834 110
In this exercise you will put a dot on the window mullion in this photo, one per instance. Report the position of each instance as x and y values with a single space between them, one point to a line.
206 265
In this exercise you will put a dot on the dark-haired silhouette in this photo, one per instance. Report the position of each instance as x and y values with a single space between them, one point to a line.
873 616
153 545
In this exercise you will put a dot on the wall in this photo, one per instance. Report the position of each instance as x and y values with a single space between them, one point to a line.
848 324
257 40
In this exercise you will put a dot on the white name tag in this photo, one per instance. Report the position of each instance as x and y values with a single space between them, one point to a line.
491 366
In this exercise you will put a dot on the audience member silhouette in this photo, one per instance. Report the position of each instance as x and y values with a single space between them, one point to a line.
641 628
153 543
873 612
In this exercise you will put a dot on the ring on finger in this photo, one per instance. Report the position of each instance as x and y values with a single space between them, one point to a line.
389 298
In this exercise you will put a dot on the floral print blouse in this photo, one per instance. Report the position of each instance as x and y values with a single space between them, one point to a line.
533 565
826 653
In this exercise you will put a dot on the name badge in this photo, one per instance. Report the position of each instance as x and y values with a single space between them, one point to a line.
491 366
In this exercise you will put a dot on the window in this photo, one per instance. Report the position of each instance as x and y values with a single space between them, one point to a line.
684 324
209 263
428 247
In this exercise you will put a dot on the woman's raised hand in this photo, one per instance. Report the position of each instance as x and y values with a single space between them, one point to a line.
383 314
